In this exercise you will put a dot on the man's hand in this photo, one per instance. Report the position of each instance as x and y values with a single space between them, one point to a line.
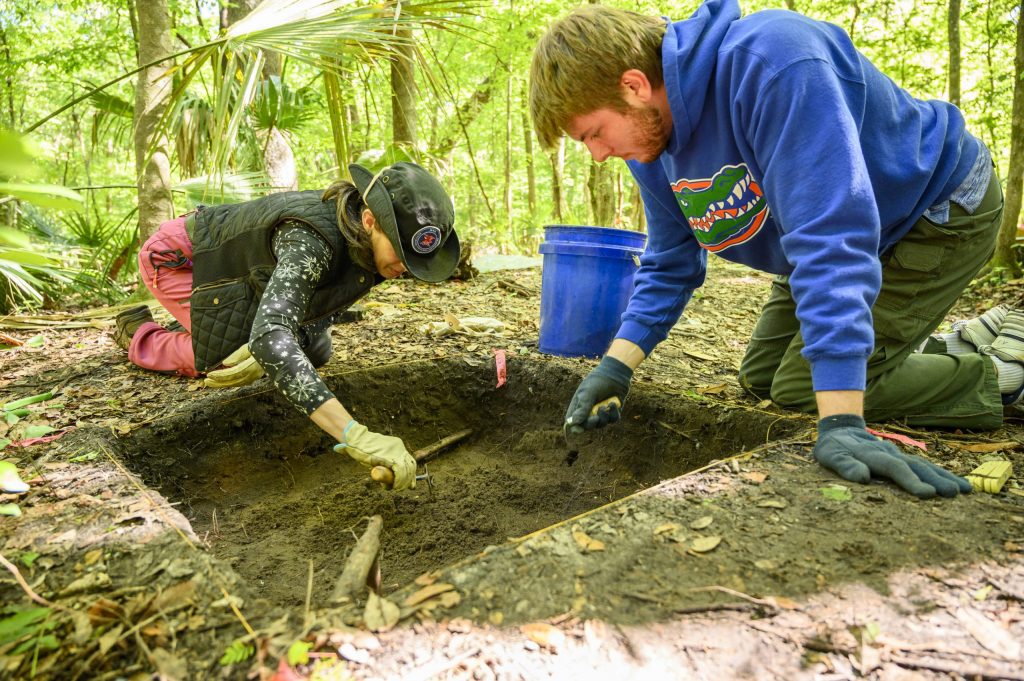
240 369
610 378
373 449
848 449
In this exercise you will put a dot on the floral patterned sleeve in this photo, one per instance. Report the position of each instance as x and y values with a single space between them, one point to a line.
302 259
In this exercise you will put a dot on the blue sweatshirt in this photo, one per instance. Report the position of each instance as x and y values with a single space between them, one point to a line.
792 154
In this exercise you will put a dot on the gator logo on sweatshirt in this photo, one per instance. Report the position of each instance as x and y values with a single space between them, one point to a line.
725 210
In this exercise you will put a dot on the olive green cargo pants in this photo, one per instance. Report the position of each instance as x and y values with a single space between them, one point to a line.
922 276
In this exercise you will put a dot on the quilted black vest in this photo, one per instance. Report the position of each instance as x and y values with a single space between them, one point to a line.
232 263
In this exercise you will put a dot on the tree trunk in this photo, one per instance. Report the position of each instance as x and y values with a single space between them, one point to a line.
1004 255
404 93
531 173
509 224
601 183
954 52
152 92
557 167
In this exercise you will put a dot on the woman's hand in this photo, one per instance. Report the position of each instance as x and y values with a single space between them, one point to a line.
373 449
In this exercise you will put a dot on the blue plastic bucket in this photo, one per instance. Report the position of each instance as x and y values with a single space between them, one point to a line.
587 280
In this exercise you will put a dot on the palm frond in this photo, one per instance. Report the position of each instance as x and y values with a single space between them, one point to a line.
224 188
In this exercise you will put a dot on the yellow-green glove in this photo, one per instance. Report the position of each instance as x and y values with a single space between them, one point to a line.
373 449
241 369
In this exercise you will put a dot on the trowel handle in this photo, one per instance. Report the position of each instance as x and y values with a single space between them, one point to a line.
605 403
383 475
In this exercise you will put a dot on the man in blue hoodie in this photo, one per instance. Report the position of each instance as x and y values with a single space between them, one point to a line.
771 141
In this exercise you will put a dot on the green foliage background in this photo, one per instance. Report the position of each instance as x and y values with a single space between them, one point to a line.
52 51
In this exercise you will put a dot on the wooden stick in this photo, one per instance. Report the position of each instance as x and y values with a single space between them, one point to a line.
386 476
359 564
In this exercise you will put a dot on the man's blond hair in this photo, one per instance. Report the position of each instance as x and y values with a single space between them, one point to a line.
578 64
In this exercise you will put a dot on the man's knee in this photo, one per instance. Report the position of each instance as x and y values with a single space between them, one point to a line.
755 384
794 394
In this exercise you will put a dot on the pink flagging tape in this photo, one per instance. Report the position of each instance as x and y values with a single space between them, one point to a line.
900 438
499 365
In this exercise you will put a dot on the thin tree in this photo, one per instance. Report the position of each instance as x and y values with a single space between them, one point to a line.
954 51
152 95
1004 256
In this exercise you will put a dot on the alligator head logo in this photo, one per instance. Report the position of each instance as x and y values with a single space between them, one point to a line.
724 211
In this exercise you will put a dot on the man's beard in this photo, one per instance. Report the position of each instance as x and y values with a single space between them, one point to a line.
649 136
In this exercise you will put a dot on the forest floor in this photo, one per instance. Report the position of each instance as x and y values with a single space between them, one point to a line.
201 533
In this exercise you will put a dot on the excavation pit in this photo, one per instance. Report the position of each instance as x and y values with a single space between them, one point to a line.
261 486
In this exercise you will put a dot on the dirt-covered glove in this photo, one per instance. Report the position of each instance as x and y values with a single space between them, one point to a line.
846 447
240 369
373 449
610 378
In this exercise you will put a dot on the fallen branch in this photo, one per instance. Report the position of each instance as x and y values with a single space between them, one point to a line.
428 452
360 564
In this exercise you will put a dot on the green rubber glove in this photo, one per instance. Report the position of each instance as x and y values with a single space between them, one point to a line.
610 378
846 447
373 449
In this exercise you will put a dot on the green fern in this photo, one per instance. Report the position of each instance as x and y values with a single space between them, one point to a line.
238 651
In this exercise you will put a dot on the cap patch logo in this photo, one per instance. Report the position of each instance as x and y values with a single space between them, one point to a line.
426 239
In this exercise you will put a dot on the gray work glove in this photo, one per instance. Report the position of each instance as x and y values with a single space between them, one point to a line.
373 449
240 368
846 447
610 378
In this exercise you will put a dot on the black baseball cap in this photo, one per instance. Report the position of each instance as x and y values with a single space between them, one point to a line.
416 214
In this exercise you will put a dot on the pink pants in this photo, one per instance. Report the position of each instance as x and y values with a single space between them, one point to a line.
165 264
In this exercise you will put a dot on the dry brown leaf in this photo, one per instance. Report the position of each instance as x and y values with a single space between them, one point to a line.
702 522
705 544
694 353
783 603
666 527
380 614
987 447
586 543
773 503
427 578
988 633
544 634
754 477
426 593
453 321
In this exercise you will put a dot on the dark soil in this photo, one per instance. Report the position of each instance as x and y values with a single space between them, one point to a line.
174 520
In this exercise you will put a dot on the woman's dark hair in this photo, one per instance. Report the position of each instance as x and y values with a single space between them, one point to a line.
350 222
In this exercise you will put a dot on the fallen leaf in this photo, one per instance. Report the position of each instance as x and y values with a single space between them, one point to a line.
754 477
783 603
10 509
712 389
765 564
705 544
989 634
666 527
837 493
702 522
426 593
694 353
986 447
586 543
427 578
773 503
380 614
544 634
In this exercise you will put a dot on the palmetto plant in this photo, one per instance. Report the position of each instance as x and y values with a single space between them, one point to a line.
326 34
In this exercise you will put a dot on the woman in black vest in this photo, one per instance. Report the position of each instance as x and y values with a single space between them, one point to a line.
256 286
